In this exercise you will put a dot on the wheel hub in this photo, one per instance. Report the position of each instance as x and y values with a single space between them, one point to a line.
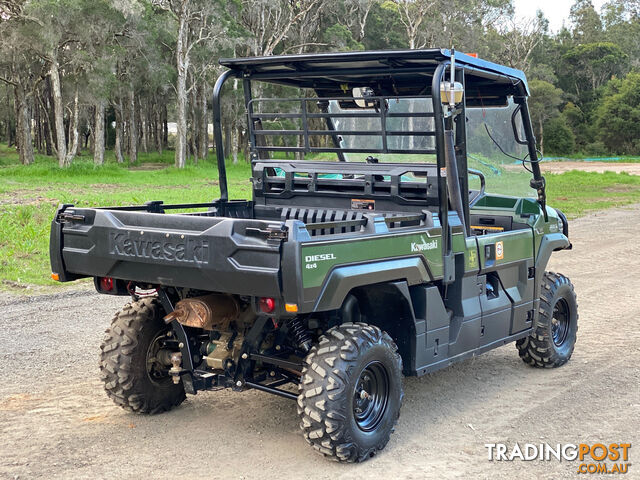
157 359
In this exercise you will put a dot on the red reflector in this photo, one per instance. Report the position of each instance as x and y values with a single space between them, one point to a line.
267 305
106 284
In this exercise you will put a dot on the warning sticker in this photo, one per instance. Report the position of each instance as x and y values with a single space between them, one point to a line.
499 250
362 204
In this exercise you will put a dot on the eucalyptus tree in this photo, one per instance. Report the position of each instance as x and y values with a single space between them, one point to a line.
413 14
20 70
354 16
67 41
196 23
544 103
519 39
270 23
586 22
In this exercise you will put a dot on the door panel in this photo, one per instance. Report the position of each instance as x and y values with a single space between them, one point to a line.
506 261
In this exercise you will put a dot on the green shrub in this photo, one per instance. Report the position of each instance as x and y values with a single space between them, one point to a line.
559 138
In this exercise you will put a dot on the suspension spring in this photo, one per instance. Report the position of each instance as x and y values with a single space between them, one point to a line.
300 334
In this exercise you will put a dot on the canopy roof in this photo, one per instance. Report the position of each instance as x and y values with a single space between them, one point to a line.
388 72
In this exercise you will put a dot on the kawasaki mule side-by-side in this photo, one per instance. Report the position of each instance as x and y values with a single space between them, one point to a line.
338 277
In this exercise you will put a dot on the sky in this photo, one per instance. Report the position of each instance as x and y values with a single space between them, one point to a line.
556 11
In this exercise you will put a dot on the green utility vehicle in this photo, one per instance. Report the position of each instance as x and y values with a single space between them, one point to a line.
338 277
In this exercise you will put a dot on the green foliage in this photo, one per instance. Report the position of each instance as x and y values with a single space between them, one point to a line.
577 121
618 115
545 100
559 138
384 29
340 38
587 24
109 48
594 63
544 103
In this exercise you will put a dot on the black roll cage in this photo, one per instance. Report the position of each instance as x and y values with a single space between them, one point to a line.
492 84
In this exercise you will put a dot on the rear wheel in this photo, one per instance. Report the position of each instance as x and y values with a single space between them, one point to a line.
133 362
553 338
351 392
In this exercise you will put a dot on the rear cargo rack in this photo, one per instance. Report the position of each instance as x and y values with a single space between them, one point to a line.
403 184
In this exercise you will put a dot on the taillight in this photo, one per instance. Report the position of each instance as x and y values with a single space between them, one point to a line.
267 305
106 284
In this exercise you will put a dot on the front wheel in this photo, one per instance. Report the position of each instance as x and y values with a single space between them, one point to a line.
553 338
351 392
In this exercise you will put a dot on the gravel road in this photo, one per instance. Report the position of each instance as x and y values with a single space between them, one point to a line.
56 421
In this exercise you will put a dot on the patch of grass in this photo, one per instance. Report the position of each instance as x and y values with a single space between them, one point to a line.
30 195
577 193
603 158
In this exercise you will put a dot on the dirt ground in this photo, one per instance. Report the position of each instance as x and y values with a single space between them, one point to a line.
600 167
56 421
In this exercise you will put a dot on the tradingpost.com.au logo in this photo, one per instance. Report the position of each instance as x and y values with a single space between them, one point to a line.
595 458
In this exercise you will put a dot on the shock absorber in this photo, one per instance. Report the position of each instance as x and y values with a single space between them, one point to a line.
300 334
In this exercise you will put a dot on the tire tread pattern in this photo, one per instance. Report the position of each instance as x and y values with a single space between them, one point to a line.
537 349
122 378
323 390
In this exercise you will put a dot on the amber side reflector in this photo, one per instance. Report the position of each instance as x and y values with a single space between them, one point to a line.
291 307
474 55
55 276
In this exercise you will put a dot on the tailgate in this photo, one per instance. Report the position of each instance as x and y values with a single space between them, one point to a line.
209 253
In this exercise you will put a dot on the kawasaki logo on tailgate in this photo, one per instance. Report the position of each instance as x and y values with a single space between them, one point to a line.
181 250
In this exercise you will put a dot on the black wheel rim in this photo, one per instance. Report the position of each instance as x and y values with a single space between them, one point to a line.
371 396
560 322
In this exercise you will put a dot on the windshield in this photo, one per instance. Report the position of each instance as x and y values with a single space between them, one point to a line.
421 126
490 141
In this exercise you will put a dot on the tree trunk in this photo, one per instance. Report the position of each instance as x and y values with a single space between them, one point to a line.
38 128
227 138
541 139
159 130
98 134
58 113
119 132
90 134
194 137
133 128
204 123
10 121
234 137
46 108
182 64
73 130
165 127
23 128
144 124
181 123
